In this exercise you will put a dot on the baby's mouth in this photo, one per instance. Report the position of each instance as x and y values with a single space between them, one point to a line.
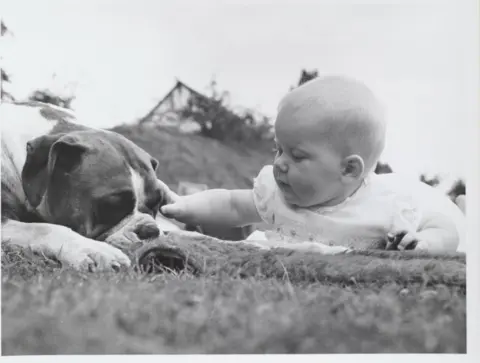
282 185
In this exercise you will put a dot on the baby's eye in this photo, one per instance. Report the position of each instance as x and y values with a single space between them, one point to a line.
297 156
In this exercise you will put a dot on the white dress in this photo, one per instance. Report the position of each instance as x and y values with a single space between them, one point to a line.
385 203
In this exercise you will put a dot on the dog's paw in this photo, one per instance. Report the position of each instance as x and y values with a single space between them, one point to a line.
85 254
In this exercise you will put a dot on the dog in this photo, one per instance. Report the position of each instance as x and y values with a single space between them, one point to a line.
75 193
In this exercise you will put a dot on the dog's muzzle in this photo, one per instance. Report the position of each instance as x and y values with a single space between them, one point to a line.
139 227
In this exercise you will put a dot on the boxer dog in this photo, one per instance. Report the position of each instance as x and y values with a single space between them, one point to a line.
75 193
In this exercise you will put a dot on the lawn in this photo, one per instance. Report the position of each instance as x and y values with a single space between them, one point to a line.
246 302
240 300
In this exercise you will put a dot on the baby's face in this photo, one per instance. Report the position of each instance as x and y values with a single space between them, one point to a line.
319 125
307 170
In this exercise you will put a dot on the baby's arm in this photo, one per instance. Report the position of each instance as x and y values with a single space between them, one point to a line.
437 232
427 217
233 208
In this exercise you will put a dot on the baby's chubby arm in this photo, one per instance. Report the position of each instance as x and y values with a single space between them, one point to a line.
427 217
439 236
233 208
437 232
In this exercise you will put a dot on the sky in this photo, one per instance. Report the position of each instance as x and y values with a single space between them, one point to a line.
121 57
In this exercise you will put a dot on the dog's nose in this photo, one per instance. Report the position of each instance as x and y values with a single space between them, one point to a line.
146 231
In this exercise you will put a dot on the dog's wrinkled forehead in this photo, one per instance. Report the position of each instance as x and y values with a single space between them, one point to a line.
117 146
113 161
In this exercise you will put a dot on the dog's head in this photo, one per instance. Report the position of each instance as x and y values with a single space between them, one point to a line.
96 182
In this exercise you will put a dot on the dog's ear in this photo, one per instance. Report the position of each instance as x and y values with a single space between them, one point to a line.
66 154
44 154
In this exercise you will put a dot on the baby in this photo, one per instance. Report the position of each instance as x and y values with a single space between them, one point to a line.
321 194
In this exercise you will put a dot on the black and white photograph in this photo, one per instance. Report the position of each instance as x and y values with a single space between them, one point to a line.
239 177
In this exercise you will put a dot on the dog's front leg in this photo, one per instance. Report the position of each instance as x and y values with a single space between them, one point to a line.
63 244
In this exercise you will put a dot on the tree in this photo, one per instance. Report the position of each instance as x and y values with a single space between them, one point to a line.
383 168
458 188
433 182
42 95
47 96
3 28
210 113
306 76
4 76
218 121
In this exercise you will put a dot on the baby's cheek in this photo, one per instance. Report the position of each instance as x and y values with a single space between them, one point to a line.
305 190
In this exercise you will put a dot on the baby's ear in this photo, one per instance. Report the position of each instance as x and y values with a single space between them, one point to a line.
353 166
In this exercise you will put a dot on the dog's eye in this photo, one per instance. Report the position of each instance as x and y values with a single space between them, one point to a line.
113 208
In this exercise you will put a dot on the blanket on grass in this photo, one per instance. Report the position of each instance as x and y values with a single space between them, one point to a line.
203 255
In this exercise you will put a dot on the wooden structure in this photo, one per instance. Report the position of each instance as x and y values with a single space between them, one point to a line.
167 111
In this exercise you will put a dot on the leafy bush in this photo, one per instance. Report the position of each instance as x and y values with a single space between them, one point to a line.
458 188
47 96
383 168
218 121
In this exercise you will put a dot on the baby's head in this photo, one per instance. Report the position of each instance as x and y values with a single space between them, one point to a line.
330 133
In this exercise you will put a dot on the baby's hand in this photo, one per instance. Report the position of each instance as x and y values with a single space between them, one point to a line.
202 208
404 241
178 210
214 207
168 196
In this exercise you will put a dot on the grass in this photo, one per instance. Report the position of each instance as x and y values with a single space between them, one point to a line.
242 302
50 310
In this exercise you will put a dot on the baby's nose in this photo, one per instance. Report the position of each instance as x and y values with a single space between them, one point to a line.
280 166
